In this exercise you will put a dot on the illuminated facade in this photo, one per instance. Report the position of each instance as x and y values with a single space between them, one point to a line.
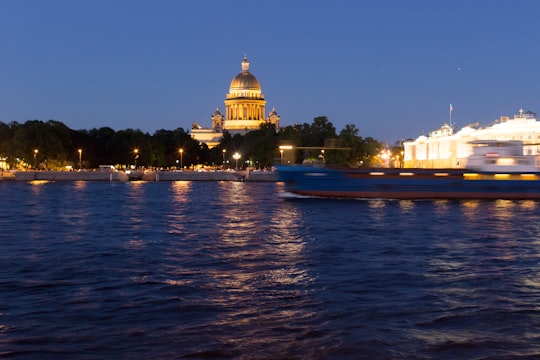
443 148
244 110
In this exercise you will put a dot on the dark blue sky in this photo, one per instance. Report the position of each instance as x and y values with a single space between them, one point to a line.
390 67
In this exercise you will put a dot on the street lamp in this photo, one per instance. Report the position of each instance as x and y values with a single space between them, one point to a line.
35 158
282 148
236 156
136 151
224 151
181 151
80 158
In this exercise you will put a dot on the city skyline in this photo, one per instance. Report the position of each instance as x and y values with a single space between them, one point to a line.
392 68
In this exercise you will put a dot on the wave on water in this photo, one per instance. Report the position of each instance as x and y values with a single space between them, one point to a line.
232 270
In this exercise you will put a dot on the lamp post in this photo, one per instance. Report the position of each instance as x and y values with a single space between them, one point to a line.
136 151
80 158
35 158
181 151
224 151
236 156
282 148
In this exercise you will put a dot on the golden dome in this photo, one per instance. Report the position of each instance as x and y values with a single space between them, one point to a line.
245 80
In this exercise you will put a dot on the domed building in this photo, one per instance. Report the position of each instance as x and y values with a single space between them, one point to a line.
444 148
244 110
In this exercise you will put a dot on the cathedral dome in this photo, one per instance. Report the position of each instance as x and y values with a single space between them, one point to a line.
245 80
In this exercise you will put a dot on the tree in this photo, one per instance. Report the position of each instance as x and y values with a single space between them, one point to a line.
6 143
98 148
316 133
129 145
164 148
58 145
260 146
292 136
349 139
369 148
49 139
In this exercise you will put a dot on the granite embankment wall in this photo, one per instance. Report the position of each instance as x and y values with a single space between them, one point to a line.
69 176
144 176
211 176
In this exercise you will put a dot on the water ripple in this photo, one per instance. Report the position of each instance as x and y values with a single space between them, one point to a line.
232 271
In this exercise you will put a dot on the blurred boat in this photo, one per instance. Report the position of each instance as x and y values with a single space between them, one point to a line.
495 170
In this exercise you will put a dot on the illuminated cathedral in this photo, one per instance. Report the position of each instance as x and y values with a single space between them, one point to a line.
244 110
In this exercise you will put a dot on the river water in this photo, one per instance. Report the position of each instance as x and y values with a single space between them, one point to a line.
231 270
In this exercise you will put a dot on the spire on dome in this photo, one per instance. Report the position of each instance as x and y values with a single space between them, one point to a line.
217 112
245 64
273 113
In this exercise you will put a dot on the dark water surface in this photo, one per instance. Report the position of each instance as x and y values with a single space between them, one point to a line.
225 270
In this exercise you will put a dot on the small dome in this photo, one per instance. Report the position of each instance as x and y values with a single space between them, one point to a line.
245 80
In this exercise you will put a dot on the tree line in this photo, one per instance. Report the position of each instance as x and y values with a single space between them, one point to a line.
52 145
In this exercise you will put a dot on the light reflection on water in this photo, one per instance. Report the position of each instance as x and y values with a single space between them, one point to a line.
253 265
407 205
230 270
179 218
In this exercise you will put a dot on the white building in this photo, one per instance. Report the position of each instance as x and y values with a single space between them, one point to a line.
444 148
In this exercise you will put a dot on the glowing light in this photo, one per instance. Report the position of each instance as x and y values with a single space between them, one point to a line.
136 151
505 161
35 158
181 151
236 156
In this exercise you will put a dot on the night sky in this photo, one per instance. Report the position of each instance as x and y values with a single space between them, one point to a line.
392 67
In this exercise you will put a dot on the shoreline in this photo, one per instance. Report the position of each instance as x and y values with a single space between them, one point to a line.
244 175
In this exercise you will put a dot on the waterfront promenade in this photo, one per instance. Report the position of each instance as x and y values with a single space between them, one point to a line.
138 176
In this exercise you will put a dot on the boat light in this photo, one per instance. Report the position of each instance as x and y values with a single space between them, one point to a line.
505 161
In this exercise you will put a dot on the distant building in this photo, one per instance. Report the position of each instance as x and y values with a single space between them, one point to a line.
244 110
443 148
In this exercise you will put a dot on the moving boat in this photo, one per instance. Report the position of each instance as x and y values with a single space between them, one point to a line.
495 170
